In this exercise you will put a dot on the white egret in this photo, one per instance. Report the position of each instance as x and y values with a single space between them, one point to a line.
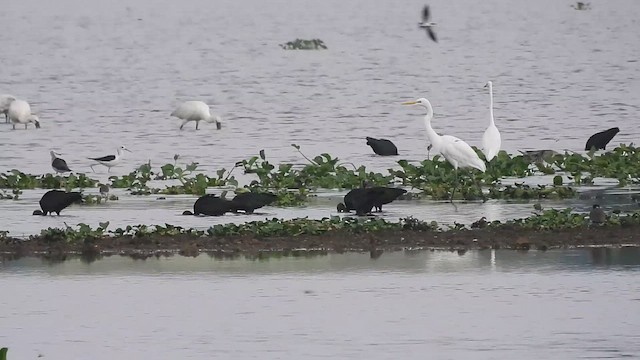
110 160
5 101
457 152
491 140
196 111
20 113
426 24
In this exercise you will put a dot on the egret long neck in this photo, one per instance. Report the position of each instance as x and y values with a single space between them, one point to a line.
434 138
491 122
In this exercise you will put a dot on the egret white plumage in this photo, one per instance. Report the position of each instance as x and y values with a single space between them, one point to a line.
5 101
58 164
20 113
196 111
457 152
110 160
426 24
491 140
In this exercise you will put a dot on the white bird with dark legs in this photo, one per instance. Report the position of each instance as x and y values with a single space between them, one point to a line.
426 24
196 111
58 164
457 152
20 113
491 140
5 101
110 160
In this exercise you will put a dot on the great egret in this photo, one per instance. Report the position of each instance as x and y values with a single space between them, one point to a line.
20 113
196 111
491 140
600 140
5 101
457 152
382 147
426 24
58 164
110 160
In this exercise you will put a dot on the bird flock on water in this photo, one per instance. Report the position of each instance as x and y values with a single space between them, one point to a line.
454 150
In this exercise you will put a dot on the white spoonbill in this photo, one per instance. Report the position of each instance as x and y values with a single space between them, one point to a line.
491 140
5 101
20 113
110 160
457 152
196 111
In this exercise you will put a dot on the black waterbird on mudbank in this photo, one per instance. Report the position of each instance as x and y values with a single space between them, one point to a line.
57 200
250 201
600 140
363 199
213 205
382 147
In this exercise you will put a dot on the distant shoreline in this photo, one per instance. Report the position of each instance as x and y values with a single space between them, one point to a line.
337 241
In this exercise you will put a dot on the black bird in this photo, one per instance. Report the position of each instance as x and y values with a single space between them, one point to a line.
382 147
58 164
57 200
250 201
426 24
363 199
597 215
210 205
600 140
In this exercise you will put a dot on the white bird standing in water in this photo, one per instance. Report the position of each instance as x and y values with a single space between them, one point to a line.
20 113
426 24
196 111
110 160
491 140
457 152
5 101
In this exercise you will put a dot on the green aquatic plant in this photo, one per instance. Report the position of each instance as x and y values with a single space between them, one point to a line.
16 179
3 353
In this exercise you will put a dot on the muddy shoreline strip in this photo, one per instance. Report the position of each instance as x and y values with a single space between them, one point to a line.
337 241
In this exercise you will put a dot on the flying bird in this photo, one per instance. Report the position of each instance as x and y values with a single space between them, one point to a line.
600 140
426 24
382 147
110 160
196 111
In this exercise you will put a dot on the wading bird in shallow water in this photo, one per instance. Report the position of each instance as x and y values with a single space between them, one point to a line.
5 101
457 152
56 201
363 199
196 111
20 113
110 160
58 164
382 147
597 215
491 140
426 24
599 141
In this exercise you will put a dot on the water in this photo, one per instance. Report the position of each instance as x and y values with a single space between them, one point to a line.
571 304
104 74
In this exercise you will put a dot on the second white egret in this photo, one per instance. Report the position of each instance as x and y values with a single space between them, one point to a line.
491 140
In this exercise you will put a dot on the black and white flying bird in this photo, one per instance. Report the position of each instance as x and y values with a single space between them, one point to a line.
426 24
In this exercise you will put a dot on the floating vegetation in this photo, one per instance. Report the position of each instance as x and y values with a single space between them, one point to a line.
301 44
16 179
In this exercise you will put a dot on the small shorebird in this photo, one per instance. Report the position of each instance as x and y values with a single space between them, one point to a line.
104 191
426 24
58 164
196 111
110 160
597 215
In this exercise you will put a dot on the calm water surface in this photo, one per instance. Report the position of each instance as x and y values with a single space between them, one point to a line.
100 74
480 305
